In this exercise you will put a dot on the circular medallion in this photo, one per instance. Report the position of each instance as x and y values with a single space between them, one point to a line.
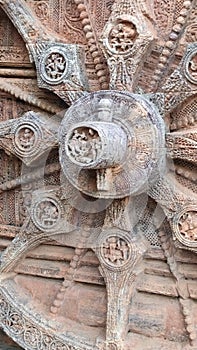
15 322
121 37
185 226
96 145
32 337
115 251
53 65
46 213
83 145
27 139
191 66
112 144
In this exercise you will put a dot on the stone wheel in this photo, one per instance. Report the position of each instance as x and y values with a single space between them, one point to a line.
98 142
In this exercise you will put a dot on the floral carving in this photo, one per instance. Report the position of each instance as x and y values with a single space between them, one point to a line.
32 336
4 310
15 323
190 64
42 10
191 33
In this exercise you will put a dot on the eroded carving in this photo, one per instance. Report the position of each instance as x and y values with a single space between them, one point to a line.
128 151
191 66
46 213
126 39
185 226
115 251
82 234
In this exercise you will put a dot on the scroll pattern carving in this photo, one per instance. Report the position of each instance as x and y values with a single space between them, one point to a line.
191 66
190 33
30 333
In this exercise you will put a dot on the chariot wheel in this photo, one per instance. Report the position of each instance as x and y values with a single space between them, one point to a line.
98 172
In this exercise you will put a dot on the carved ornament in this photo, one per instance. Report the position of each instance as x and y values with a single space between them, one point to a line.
98 215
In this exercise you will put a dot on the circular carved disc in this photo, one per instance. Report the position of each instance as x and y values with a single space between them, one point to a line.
143 159
185 226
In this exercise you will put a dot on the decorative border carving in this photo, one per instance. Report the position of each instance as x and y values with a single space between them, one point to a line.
27 138
30 332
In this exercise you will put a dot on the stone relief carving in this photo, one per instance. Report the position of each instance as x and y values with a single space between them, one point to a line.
190 65
127 144
115 251
49 56
23 137
185 226
126 39
100 218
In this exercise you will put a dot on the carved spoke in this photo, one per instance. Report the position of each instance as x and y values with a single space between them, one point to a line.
126 39
98 213
59 66
119 252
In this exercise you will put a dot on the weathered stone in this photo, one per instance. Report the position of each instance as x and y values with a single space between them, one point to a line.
98 140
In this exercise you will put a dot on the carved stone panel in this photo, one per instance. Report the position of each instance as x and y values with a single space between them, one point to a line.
98 171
